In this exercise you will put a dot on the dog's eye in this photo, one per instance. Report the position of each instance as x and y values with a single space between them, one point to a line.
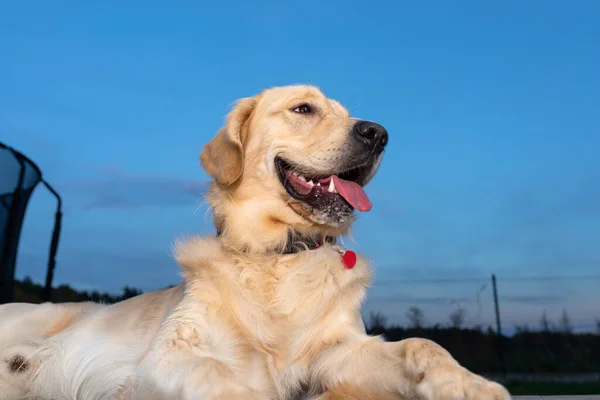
303 109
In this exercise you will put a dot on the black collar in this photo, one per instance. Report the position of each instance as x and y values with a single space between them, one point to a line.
296 243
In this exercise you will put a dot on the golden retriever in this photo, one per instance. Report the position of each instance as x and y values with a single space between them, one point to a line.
269 308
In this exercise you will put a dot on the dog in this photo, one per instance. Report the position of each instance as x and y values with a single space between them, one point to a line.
269 308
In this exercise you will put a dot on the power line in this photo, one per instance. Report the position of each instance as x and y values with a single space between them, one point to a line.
485 279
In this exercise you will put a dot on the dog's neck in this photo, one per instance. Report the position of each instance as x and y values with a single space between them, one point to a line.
297 242
251 221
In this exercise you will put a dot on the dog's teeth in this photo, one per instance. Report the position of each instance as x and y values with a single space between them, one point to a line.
311 183
318 183
331 188
302 178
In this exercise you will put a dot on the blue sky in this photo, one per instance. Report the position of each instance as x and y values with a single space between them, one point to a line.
492 111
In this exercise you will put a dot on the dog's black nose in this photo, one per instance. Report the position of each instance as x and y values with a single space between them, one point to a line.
371 135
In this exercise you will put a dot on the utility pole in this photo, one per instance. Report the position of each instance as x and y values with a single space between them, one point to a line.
496 306
499 339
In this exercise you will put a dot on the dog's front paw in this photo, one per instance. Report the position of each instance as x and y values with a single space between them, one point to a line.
454 383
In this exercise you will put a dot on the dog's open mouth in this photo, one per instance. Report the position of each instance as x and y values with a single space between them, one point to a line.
320 190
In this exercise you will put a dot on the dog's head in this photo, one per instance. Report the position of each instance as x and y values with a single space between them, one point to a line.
290 159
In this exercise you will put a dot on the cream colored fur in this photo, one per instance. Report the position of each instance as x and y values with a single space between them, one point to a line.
247 322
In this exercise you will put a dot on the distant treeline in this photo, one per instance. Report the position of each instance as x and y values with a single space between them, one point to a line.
548 349
27 291
545 350
532 352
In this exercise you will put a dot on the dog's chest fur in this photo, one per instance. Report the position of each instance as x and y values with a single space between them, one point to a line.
270 312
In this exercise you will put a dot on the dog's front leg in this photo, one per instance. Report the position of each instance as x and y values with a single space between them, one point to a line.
188 363
368 368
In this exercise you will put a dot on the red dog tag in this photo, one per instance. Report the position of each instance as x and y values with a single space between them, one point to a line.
349 259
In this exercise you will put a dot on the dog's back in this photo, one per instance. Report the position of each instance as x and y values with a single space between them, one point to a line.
68 339
25 328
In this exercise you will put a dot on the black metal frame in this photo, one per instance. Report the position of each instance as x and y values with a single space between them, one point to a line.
9 286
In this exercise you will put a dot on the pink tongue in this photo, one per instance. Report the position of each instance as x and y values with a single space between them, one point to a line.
353 193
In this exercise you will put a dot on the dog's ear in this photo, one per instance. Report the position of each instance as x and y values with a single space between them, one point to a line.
223 156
